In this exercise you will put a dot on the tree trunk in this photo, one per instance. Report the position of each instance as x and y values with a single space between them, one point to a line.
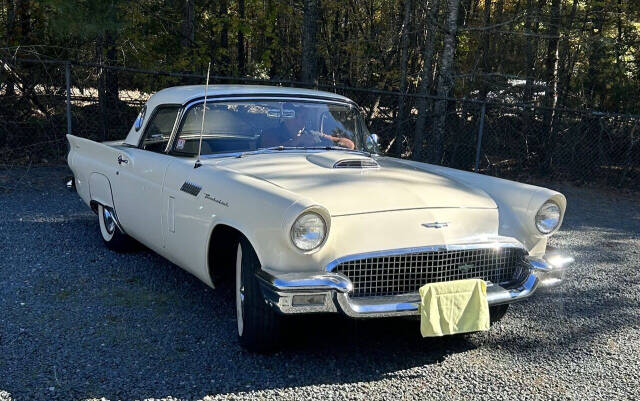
309 56
619 45
486 59
551 91
224 37
564 70
465 12
423 103
102 98
445 81
111 76
497 38
596 54
241 49
23 13
187 28
551 59
11 37
532 25
404 45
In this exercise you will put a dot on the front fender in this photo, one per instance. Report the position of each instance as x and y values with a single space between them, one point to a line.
262 212
517 203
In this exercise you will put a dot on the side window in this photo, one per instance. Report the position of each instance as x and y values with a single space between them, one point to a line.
158 131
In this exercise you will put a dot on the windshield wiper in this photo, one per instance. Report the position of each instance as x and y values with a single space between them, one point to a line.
271 148
337 148
282 148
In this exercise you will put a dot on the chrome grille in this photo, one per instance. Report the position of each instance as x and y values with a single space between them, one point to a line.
406 273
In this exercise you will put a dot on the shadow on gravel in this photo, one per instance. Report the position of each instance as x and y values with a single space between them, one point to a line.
581 318
79 321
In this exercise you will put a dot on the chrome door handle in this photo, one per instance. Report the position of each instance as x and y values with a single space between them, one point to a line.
122 160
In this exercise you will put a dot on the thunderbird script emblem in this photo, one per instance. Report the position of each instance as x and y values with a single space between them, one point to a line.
436 224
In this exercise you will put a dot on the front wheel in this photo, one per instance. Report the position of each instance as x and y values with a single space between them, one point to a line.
113 238
259 326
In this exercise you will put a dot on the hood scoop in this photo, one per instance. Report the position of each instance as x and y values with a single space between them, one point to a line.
340 160
356 163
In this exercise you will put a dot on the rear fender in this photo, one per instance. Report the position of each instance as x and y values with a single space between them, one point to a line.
100 190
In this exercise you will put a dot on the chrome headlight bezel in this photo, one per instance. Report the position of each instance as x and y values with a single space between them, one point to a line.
293 235
549 212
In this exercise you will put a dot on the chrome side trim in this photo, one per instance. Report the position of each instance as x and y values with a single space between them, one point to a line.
434 248
191 188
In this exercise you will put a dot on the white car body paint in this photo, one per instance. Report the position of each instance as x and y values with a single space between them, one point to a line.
261 195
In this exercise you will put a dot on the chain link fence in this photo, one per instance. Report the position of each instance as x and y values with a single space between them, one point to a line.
42 100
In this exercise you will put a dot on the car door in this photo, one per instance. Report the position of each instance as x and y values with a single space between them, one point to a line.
140 178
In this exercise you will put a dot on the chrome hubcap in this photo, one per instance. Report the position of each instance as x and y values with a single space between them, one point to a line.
109 221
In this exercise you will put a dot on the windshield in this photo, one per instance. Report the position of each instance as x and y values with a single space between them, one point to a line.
263 124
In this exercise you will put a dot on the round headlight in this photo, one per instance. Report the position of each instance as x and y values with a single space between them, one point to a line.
308 231
548 217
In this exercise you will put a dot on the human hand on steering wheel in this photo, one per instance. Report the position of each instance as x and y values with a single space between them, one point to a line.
317 137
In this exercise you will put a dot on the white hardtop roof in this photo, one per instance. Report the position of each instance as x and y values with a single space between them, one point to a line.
185 94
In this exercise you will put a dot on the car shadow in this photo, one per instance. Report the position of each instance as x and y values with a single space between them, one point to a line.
95 323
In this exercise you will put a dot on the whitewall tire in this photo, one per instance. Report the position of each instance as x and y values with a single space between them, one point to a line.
239 291
111 234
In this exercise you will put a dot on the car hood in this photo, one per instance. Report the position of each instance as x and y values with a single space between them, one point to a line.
330 179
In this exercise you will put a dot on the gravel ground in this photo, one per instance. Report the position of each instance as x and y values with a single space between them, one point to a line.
78 321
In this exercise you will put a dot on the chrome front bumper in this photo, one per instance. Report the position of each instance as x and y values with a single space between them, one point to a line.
295 293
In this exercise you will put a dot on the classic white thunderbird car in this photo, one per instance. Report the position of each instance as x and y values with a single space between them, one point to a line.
292 195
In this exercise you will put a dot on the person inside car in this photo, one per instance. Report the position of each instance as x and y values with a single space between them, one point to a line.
297 131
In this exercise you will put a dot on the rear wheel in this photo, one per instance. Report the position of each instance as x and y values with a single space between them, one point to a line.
497 312
113 238
259 326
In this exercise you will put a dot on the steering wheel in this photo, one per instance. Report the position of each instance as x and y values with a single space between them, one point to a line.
311 135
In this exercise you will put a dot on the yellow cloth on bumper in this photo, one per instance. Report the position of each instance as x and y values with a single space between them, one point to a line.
453 307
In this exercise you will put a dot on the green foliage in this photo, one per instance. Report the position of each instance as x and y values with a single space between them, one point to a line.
357 43
84 19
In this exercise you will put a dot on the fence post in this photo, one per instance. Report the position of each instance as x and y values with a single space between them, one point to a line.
67 76
480 132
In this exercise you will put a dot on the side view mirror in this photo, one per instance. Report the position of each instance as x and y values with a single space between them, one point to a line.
371 143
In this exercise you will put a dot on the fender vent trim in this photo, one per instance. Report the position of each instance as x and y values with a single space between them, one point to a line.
191 188
356 163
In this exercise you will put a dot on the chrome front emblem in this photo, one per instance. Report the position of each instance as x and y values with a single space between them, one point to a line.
435 224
